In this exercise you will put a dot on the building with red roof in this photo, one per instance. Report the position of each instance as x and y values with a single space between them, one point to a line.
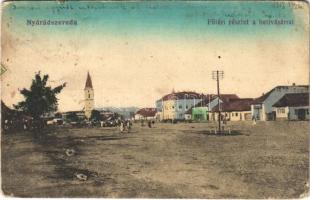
146 114
234 110
179 105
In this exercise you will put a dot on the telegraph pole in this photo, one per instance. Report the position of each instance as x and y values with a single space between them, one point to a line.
217 75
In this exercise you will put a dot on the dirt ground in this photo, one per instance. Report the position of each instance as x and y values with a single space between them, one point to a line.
268 160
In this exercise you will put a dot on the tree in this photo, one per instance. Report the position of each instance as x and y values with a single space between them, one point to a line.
95 115
39 99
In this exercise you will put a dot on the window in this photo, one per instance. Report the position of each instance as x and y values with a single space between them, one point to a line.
186 106
307 111
232 114
89 96
281 110
236 114
172 107
180 106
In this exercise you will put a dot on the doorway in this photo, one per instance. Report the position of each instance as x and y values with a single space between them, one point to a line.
301 114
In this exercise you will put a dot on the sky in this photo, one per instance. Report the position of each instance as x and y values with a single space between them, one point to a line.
136 52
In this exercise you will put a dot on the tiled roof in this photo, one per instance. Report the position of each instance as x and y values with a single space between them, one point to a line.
88 83
182 95
147 112
235 105
191 95
293 99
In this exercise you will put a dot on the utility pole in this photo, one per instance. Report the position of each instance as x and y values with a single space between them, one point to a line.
217 75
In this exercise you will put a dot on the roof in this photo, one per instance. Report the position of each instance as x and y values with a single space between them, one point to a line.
195 95
224 97
262 98
88 83
293 100
147 112
227 97
236 105
182 95
8 112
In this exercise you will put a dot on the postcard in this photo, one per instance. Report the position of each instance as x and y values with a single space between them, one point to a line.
155 99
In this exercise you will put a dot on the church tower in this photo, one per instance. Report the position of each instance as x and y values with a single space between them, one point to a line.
89 97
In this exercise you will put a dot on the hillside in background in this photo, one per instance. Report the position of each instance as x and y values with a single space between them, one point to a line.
127 112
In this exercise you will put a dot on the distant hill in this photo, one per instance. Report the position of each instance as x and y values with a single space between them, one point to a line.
126 112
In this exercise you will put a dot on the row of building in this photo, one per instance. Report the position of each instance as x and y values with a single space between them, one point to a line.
282 102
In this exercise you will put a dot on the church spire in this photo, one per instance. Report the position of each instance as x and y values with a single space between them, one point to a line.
89 97
88 82
173 91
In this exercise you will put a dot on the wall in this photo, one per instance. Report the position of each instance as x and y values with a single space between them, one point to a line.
293 113
188 116
240 115
175 109
159 105
266 107
89 101
168 109
141 117
281 112
257 111
138 117
277 94
200 113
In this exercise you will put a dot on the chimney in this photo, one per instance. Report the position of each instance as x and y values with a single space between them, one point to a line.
294 84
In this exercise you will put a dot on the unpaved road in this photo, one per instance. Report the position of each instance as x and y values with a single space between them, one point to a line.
268 160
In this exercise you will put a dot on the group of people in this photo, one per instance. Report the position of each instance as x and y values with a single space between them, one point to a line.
125 126
149 123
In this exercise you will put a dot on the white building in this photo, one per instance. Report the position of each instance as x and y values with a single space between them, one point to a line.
262 109
173 106
146 114
234 110
292 107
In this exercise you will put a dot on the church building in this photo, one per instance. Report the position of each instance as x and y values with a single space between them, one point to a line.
89 97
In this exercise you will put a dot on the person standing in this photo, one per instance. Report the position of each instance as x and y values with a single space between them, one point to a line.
128 126
254 119
121 127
